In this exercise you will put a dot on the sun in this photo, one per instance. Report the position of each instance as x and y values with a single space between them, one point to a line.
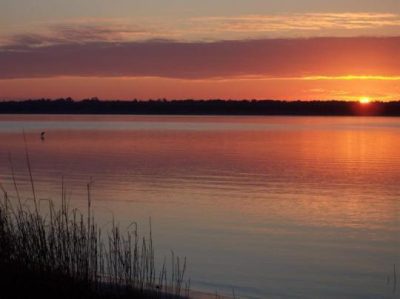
365 100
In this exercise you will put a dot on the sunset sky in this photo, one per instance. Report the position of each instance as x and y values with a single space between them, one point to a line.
124 49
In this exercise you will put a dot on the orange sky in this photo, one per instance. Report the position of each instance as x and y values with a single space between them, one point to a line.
143 88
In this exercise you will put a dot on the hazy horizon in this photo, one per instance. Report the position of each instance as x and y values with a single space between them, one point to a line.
131 99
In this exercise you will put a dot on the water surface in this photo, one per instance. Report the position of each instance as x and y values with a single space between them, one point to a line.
275 207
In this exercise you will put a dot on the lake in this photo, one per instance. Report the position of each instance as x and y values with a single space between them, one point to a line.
274 207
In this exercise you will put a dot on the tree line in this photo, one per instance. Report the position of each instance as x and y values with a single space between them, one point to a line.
198 107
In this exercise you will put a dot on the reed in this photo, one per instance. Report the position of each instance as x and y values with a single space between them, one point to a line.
48 241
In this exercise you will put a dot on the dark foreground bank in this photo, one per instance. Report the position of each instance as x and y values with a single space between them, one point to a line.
200 107
20 282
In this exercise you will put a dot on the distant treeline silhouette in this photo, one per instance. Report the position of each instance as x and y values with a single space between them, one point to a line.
199 107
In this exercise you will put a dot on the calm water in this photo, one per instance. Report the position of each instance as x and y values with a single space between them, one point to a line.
276 207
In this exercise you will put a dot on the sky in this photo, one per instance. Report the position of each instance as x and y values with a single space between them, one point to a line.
178 49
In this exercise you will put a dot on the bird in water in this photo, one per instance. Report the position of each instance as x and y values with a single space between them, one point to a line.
42 135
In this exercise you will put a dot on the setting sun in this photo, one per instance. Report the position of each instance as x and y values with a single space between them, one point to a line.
365 100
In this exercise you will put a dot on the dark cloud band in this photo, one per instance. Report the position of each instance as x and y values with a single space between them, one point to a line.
196 60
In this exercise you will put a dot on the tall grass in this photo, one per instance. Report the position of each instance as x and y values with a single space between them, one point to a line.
45 239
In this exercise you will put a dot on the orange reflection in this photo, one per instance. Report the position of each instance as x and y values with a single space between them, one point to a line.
338 172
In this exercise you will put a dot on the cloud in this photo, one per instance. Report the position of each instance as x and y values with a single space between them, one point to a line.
208 28
299 22
82 31
267 58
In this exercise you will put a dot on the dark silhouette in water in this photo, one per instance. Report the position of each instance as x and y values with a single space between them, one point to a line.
42 135
199 107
